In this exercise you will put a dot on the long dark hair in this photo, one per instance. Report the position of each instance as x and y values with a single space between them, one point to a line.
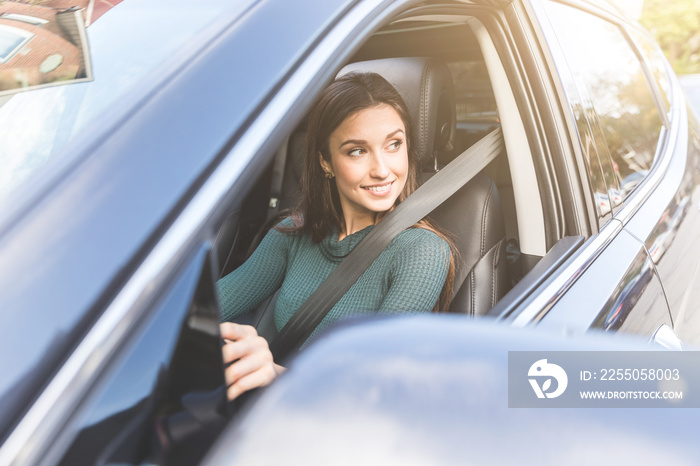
319 210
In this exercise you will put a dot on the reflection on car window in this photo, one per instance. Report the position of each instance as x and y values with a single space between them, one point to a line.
590 137
607 70
656 62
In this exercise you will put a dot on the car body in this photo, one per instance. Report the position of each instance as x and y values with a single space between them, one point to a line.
440 394
149 178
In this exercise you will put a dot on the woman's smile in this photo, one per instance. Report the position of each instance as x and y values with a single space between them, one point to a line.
380 189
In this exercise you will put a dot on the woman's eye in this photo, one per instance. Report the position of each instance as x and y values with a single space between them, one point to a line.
395 144
356 151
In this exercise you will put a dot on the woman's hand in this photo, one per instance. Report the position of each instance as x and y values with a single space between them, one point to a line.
253 366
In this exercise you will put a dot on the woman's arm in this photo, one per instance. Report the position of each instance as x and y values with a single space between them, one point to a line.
419 271
258 278
246 354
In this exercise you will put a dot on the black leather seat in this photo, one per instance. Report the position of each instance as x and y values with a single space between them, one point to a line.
472 216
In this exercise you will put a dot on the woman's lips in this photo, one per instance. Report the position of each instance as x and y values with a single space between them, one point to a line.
379 189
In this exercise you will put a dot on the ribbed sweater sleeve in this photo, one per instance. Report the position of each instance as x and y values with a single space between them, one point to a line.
258 278
418 273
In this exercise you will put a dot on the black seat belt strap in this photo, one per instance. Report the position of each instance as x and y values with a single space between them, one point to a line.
419 204
277 180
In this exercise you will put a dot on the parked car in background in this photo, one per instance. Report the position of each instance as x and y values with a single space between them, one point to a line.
130 188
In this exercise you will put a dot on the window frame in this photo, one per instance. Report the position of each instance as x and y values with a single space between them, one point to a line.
33 20
26 35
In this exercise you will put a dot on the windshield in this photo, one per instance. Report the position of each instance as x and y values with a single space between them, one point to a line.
126 43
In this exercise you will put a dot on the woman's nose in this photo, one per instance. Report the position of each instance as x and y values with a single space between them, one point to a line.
379 168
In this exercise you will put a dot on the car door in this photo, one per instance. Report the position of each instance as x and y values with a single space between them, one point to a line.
667 220
613 112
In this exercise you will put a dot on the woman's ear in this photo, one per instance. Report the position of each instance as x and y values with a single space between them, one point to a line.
324 164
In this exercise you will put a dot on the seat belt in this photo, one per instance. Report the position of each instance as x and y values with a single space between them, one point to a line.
273 205
277 180
424 200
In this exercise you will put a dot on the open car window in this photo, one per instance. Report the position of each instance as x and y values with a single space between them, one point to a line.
483 100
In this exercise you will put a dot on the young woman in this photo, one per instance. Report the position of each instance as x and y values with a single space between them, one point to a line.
359 165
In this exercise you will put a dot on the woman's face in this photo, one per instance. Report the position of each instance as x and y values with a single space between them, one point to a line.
369 157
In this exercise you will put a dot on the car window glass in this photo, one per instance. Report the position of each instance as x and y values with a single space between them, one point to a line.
656 61
475 105
581 108
607 164
473 90
163 398
608 71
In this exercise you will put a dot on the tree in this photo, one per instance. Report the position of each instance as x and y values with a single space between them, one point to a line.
676 26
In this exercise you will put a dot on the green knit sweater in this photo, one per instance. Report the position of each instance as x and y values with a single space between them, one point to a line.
406 277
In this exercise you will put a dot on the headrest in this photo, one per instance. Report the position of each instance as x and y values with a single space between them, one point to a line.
425 84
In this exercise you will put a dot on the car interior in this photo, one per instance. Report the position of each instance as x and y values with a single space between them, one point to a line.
459 73
448 70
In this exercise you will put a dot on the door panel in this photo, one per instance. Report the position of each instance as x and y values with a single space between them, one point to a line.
669 224
618 291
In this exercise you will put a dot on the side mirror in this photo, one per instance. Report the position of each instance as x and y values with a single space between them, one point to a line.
665 337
